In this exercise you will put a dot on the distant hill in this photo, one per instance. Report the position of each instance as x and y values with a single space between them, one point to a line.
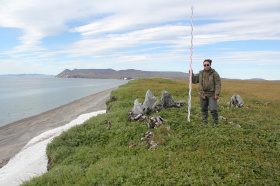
256 79
28 75
121 74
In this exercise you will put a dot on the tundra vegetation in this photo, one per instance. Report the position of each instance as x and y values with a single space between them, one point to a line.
242 149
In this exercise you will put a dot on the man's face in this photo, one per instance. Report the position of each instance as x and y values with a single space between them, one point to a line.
207 65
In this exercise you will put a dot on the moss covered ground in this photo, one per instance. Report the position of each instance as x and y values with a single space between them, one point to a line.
188 154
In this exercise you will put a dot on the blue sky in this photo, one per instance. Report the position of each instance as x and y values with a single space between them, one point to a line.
46 37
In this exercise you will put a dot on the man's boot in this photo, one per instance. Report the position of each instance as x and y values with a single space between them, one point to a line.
204 118
215 118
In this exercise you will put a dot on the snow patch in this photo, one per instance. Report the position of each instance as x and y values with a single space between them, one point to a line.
32 160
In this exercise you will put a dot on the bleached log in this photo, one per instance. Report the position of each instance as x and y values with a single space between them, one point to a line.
236 101
148 104
146 107
138 108
166 100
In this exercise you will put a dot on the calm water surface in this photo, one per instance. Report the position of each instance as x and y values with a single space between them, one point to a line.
22 97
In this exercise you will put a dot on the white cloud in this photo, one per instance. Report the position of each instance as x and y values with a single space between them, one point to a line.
39 19
127 31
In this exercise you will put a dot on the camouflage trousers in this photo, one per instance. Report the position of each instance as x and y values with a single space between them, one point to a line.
213 107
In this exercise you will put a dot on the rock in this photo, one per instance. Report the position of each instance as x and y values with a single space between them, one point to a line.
236 101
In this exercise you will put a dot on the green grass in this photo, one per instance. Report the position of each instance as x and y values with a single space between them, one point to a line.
90 154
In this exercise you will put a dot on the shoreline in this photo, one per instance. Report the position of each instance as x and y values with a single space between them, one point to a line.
14 136
32 160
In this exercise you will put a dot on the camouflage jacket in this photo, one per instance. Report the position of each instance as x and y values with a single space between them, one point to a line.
211 86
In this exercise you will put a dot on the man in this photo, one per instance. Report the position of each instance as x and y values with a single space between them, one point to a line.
209 90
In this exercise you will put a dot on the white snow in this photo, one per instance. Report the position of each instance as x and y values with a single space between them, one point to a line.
32 160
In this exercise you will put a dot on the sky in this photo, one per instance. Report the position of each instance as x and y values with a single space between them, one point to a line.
242 37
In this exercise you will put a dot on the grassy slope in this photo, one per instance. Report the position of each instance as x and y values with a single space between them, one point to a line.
188 154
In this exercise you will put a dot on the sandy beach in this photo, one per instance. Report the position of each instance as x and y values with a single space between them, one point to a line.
14 136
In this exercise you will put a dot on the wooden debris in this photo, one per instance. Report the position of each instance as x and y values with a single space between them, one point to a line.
108 125
155 122
148 136
148 139
147 107
236 101
263 104
151 104
152 121
168 128
131 144
223 118
234 124
153 144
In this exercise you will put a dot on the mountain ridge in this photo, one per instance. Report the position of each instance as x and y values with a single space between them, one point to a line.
120 74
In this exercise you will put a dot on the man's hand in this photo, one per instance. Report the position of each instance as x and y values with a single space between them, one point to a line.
216 97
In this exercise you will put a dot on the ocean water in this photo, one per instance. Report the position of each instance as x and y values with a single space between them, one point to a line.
22 97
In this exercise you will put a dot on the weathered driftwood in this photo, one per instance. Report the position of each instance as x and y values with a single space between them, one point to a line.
148 139
150 104
155 122
223 118
108 125
166 100
137 113
234 124
146 107
152 122
236 101
263 104
132 144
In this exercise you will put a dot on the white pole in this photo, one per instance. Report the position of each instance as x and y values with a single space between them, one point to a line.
190 83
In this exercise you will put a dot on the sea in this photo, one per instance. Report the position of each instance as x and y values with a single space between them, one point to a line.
22 97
